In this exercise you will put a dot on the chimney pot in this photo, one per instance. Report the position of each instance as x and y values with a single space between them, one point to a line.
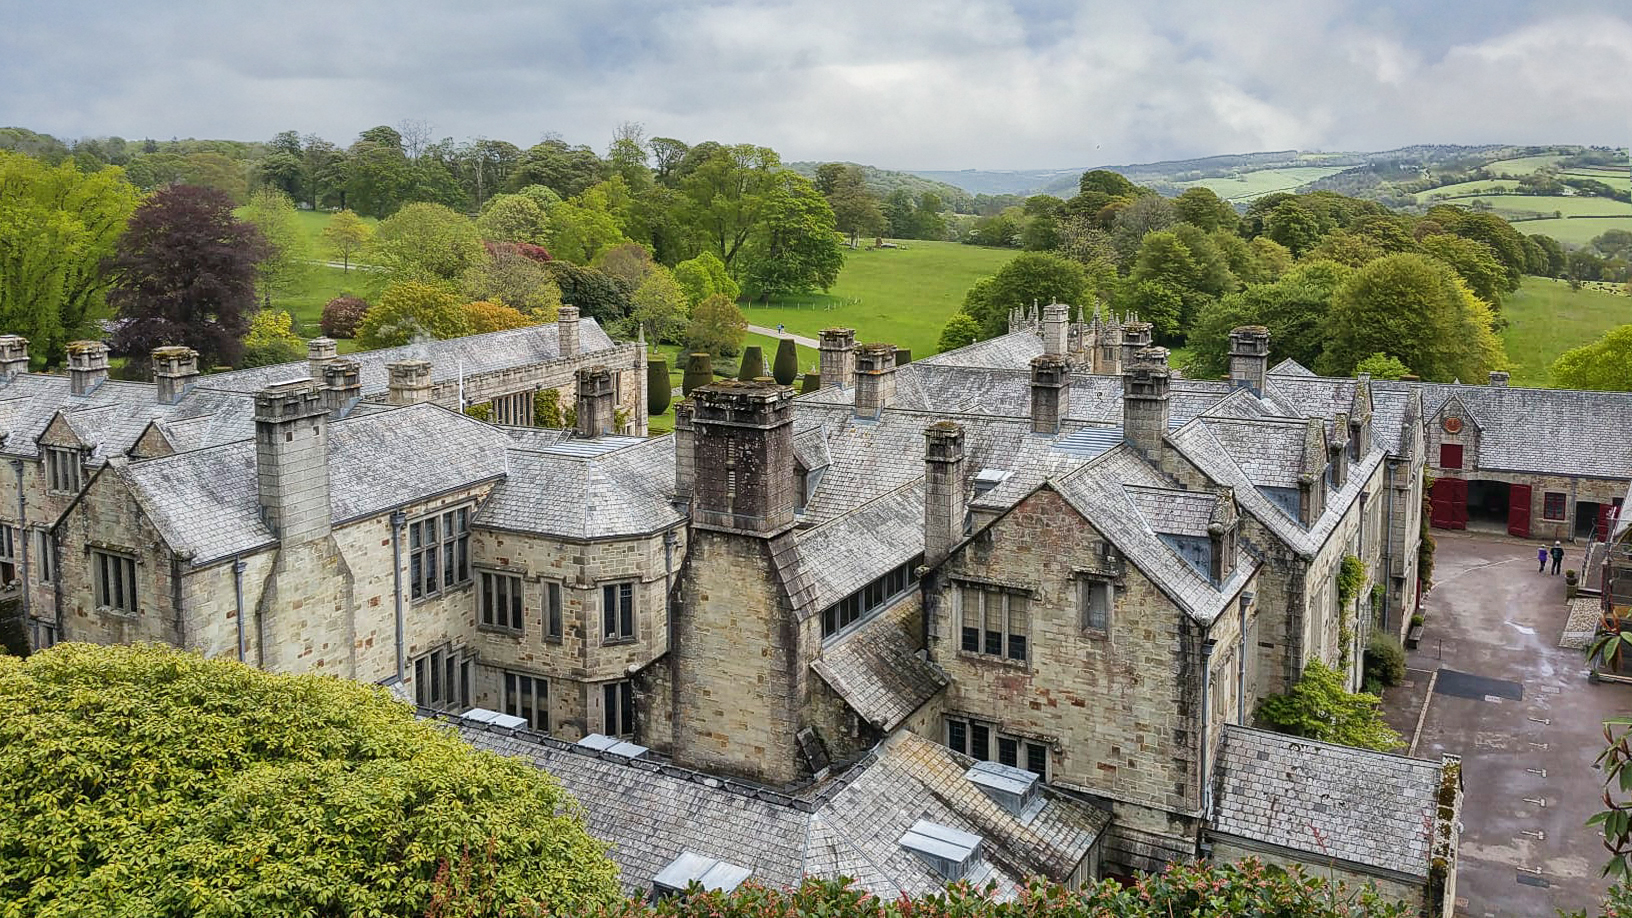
87 366
743 447
875 378
1145 379
1056 316
596 403
1050 392
943 490
319 351
566 326
1498 379
837 348
410 382
13 355
1249 357
174 369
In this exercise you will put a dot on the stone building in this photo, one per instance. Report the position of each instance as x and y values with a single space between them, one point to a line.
1031 603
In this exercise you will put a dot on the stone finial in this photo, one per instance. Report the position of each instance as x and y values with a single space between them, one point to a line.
87 366
174 369
410 382
13 355
875 378
566 326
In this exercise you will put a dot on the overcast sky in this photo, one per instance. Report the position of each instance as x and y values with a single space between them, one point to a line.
946 84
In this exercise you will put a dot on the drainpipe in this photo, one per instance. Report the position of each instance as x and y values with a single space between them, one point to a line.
398 518
22 533
1206 715
1388 540
1241 665
239 565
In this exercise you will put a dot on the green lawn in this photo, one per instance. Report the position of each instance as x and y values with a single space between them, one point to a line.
1545 318
1524 165
663 423
313 221
902 296
1614 178
1578 231
1250 185
1580 205
1465 189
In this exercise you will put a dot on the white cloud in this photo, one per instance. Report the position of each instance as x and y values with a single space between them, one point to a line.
940 84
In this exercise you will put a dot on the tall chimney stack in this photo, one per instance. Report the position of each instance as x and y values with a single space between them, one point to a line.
943 490
1135 338
685 455
292 460
743 444
13 355
875 378
566 327
342 386
319 351
174 369
1249 358
1056 319
1050 392
838 356
1144 402
596 403
409 382
87 366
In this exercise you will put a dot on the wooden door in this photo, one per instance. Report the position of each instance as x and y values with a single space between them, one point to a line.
1518 510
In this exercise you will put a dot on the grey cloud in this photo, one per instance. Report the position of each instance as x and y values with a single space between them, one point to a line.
938 84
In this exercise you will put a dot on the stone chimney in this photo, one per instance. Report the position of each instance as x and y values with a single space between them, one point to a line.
1135 338
1144 402
1498 379
342 386
87 366
838 347
1056 322
596 402
875 378
410 382
13 355
1312 481
174 369
319 351
566 329
685 455
943 490
1249 357
1050 392
743 448
292 460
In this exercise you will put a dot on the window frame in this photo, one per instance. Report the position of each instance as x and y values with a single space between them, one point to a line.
442 679
1563 506
518 687
554 614
439 564
618 618
990 746
1446 450
618 708
861 605
102 588
1087 586
1010 640
510 590
62 467
11 564
45 556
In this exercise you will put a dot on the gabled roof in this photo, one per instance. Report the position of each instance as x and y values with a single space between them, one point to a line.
846 553
1014 349
563 491
848 826
108 419
1327 801
204 502
877 670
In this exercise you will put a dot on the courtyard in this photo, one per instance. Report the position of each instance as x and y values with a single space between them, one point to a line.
1520 712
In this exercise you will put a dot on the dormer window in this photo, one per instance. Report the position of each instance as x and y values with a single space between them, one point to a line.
988 479
62 470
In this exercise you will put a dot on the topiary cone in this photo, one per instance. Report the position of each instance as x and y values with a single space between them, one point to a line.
786 366
753 364
658 388
813 381
903 356
699 372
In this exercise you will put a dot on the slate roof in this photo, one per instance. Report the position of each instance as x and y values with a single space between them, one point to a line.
1327 801
479 354
1014 349
108 419
1172 511
849 552
561 492
877 669
1101 493
204 502
848 826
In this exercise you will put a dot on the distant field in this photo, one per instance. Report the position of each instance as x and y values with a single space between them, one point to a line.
1525 164
1616 178
1465 189
1249 185
1573 206
1545 319
676 356
902 296
1579 231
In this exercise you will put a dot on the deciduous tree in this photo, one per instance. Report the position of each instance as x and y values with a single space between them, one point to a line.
1028 278
412 311
515 280
703 277
426 242
795 246
724 193
346 236
287 264
1320 708
959 331
208 787
1603 364
185 274
717 327
1417 309
514 218
272 340
661 307
57 226
491 317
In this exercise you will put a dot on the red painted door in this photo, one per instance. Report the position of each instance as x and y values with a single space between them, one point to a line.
1459 504
1449 504
1518 510
1605 513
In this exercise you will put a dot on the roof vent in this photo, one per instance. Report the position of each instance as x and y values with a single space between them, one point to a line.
707 872
484 716
949 851
987 479
1013 789
600 742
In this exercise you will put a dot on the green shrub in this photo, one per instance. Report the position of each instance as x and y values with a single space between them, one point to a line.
753 363
1320 708
1416 621
785 368
547 408
140 780
342 315
1385 660
699 372
482 411
659 391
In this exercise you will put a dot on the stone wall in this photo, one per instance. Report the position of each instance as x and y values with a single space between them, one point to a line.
109 518
627 360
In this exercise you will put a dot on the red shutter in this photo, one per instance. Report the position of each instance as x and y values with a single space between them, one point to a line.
1518 510
1450 455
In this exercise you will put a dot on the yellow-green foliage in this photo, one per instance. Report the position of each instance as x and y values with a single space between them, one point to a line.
141 781
412 311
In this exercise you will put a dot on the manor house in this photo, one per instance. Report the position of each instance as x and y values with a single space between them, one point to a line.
999 612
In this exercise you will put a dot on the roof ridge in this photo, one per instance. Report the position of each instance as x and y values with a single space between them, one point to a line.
1260 732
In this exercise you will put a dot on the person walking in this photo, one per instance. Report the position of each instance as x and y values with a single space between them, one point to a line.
1558 555
1541 560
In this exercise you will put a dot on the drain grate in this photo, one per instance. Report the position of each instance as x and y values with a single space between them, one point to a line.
1467 685
1528 880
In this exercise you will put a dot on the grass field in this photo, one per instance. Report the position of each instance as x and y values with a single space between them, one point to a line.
1579 231
1249 185
663 423
1465 189
1614 178
1524 164
902 296
1545 319
1571 206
